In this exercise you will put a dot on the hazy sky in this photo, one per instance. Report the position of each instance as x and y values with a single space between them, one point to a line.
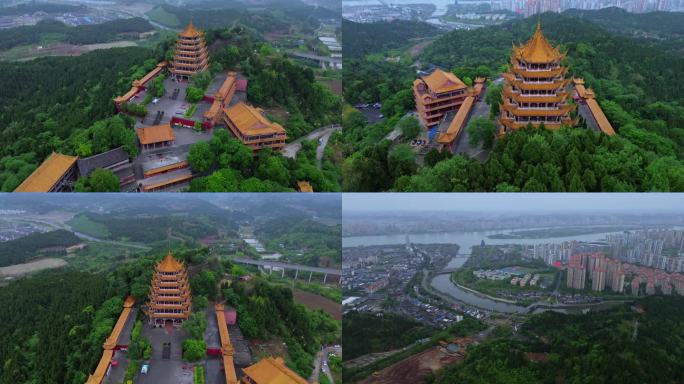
492 202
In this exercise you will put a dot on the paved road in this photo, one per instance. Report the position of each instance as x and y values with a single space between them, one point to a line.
321 363
291 149
120 243
480 109
277 264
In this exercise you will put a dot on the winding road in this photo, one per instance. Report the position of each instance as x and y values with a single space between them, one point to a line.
291 149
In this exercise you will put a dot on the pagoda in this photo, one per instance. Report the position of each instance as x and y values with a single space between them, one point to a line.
191 54
170 299
535 87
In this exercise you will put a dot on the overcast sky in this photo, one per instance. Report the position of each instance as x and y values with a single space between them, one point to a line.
492 202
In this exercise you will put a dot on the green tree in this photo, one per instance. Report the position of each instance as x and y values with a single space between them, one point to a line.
200 156
401 161
194 350
481 131
196 325
409 127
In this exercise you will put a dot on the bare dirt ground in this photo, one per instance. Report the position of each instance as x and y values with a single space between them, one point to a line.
58 49
417 49
335 85
315 301
415 368
33 266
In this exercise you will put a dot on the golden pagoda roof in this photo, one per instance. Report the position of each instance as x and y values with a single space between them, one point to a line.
169 264
190 31
272 371
48 173
537 49
441 81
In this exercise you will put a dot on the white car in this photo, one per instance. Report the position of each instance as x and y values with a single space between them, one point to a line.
144 369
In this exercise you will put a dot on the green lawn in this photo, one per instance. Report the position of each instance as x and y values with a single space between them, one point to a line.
159 15
83 224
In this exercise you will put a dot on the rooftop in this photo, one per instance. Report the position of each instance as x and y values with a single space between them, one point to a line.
251 121
44 178
190 31
441 81
102 160
272 371
537 49
169 264
155 134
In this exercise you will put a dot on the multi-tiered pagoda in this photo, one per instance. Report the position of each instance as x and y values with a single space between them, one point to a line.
170 299
535 87
191 54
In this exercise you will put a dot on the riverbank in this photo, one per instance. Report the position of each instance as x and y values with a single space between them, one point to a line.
478 293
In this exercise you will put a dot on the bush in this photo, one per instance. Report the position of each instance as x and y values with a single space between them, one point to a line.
193 349
193 94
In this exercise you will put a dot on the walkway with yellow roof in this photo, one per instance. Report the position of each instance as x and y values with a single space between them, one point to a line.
51 175
110 344
587 97
227 350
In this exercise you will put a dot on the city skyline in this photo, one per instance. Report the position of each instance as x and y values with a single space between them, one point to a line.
514 202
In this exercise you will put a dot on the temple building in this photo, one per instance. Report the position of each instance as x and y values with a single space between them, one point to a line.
58 173
156 136
191 54
271 371
436 95
535 87
252 128
170 299
221 99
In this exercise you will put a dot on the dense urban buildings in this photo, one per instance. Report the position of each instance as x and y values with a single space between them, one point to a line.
170 298
534 91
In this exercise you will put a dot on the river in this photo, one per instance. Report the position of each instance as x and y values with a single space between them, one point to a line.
465 240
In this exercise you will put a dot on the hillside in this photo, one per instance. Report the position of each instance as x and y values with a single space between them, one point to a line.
638 87
361 39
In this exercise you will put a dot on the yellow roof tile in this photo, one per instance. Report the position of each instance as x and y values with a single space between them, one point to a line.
272 371
250 121
440 81
48 173
190 31
169 264
155 134
304 186
537 49
603 123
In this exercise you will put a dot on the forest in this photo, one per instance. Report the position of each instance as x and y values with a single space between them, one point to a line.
302 240
56 321
47 31
43 113
365 333
74 114
629 344
230 167
25 248
268 311
278 16
142 228
639 96
361 39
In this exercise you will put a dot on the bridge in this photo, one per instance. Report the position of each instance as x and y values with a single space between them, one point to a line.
271 265
324 61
